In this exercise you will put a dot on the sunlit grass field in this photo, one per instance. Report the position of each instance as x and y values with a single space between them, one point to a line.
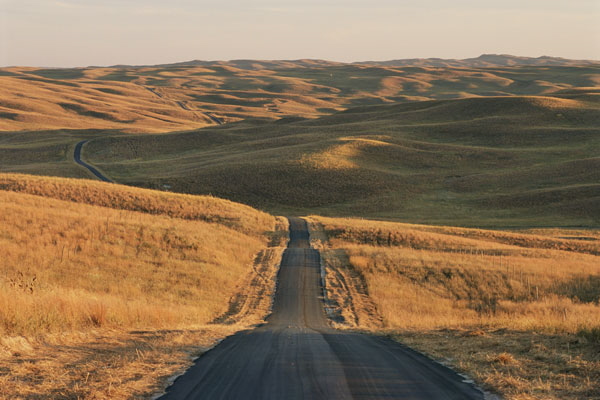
82 253
88 264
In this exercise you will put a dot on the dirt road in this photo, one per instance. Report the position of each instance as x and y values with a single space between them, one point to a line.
91 168
296 355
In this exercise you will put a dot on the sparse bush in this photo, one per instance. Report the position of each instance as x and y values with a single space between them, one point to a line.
19 281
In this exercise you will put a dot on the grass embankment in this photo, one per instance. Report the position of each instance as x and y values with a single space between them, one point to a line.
518 311
103 288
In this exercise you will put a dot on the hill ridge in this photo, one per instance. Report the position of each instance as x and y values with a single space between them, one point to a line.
486 59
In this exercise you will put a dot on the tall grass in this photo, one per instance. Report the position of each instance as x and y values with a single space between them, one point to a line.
67 265
424 277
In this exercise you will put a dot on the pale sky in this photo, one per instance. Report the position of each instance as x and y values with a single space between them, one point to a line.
71 33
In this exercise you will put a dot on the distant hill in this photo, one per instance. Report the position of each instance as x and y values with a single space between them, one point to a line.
483 61
252 64
195 94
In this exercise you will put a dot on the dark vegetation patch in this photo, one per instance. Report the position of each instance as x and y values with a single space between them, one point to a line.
233 100
110 91
120 76
326 110
8 115
59 73
79 109
582 288
49 81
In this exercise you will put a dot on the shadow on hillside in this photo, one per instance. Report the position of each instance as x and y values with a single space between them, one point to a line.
585 289
6 136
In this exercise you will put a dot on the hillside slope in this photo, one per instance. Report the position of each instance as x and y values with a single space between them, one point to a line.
33 99
129 246
499 161
132 280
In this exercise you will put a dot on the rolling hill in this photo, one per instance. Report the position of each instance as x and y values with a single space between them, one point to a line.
107 289
183 96
131 246
132 279
502 161
510 142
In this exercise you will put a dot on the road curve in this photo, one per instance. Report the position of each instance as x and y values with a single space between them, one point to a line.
296 355
91 168
216 120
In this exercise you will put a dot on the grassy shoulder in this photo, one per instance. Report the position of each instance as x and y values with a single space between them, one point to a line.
97 278
519 312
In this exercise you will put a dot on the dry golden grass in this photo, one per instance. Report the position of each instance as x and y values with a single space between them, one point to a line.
457 293
32 103
521 365
195 208
72 266
85 272
502 161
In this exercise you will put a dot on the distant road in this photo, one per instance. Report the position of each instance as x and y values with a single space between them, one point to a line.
218 121
296 355
91 168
